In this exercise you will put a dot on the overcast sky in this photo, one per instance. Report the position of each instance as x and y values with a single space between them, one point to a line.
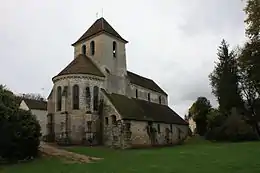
173 42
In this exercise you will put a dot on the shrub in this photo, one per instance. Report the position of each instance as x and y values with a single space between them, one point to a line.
234 129
19 130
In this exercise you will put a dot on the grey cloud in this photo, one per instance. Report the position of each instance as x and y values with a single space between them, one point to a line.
172 42
215 17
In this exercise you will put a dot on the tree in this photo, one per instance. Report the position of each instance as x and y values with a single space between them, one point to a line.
224 80
198 111
233 128
250 56
215 119
33 96
249 63
253 19
19 129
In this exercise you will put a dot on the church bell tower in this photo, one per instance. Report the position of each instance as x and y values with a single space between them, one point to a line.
106 48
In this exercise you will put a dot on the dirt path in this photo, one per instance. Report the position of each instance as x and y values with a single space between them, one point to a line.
68 156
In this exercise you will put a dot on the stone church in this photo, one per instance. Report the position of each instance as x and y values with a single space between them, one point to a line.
95 100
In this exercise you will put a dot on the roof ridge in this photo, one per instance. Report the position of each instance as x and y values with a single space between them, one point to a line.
102 23
140 75
94 63
24 98
141 110
82 64
144 82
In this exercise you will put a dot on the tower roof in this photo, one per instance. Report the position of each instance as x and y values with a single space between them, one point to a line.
81 65
100 26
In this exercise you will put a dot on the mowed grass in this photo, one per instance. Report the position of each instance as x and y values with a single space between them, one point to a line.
202 157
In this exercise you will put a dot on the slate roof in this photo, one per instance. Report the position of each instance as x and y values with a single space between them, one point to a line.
140 110
144 82
81 65
33 104
99 26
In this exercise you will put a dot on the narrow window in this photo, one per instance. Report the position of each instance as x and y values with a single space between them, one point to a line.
62 124
89 126
59 98
65 91
114 49
158 128
171 128
136 93
106 121
113 119
92 47
95 101
75 97
84 49
87 95
160 100
149 99
107 71
127 126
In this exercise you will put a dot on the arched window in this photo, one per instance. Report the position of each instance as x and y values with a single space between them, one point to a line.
113 119
114 49
89 126
149 97
75 97
95 101
87 95
58 99
160 99
136 93
107 71
158 128
92 47
106 121
84 49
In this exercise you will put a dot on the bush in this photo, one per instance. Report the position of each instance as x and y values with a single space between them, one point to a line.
19 130
234 129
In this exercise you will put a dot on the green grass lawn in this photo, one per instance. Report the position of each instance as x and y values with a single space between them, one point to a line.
190 158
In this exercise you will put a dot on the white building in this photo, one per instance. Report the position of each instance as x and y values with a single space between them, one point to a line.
37 108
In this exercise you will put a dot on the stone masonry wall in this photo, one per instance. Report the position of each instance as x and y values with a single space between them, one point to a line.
104 53
113 67
143 94
116 135
77 119
111 132
140 136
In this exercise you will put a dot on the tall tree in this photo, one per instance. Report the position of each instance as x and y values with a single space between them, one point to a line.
250 57
249 70
199 111
224 80
252 11
248 87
